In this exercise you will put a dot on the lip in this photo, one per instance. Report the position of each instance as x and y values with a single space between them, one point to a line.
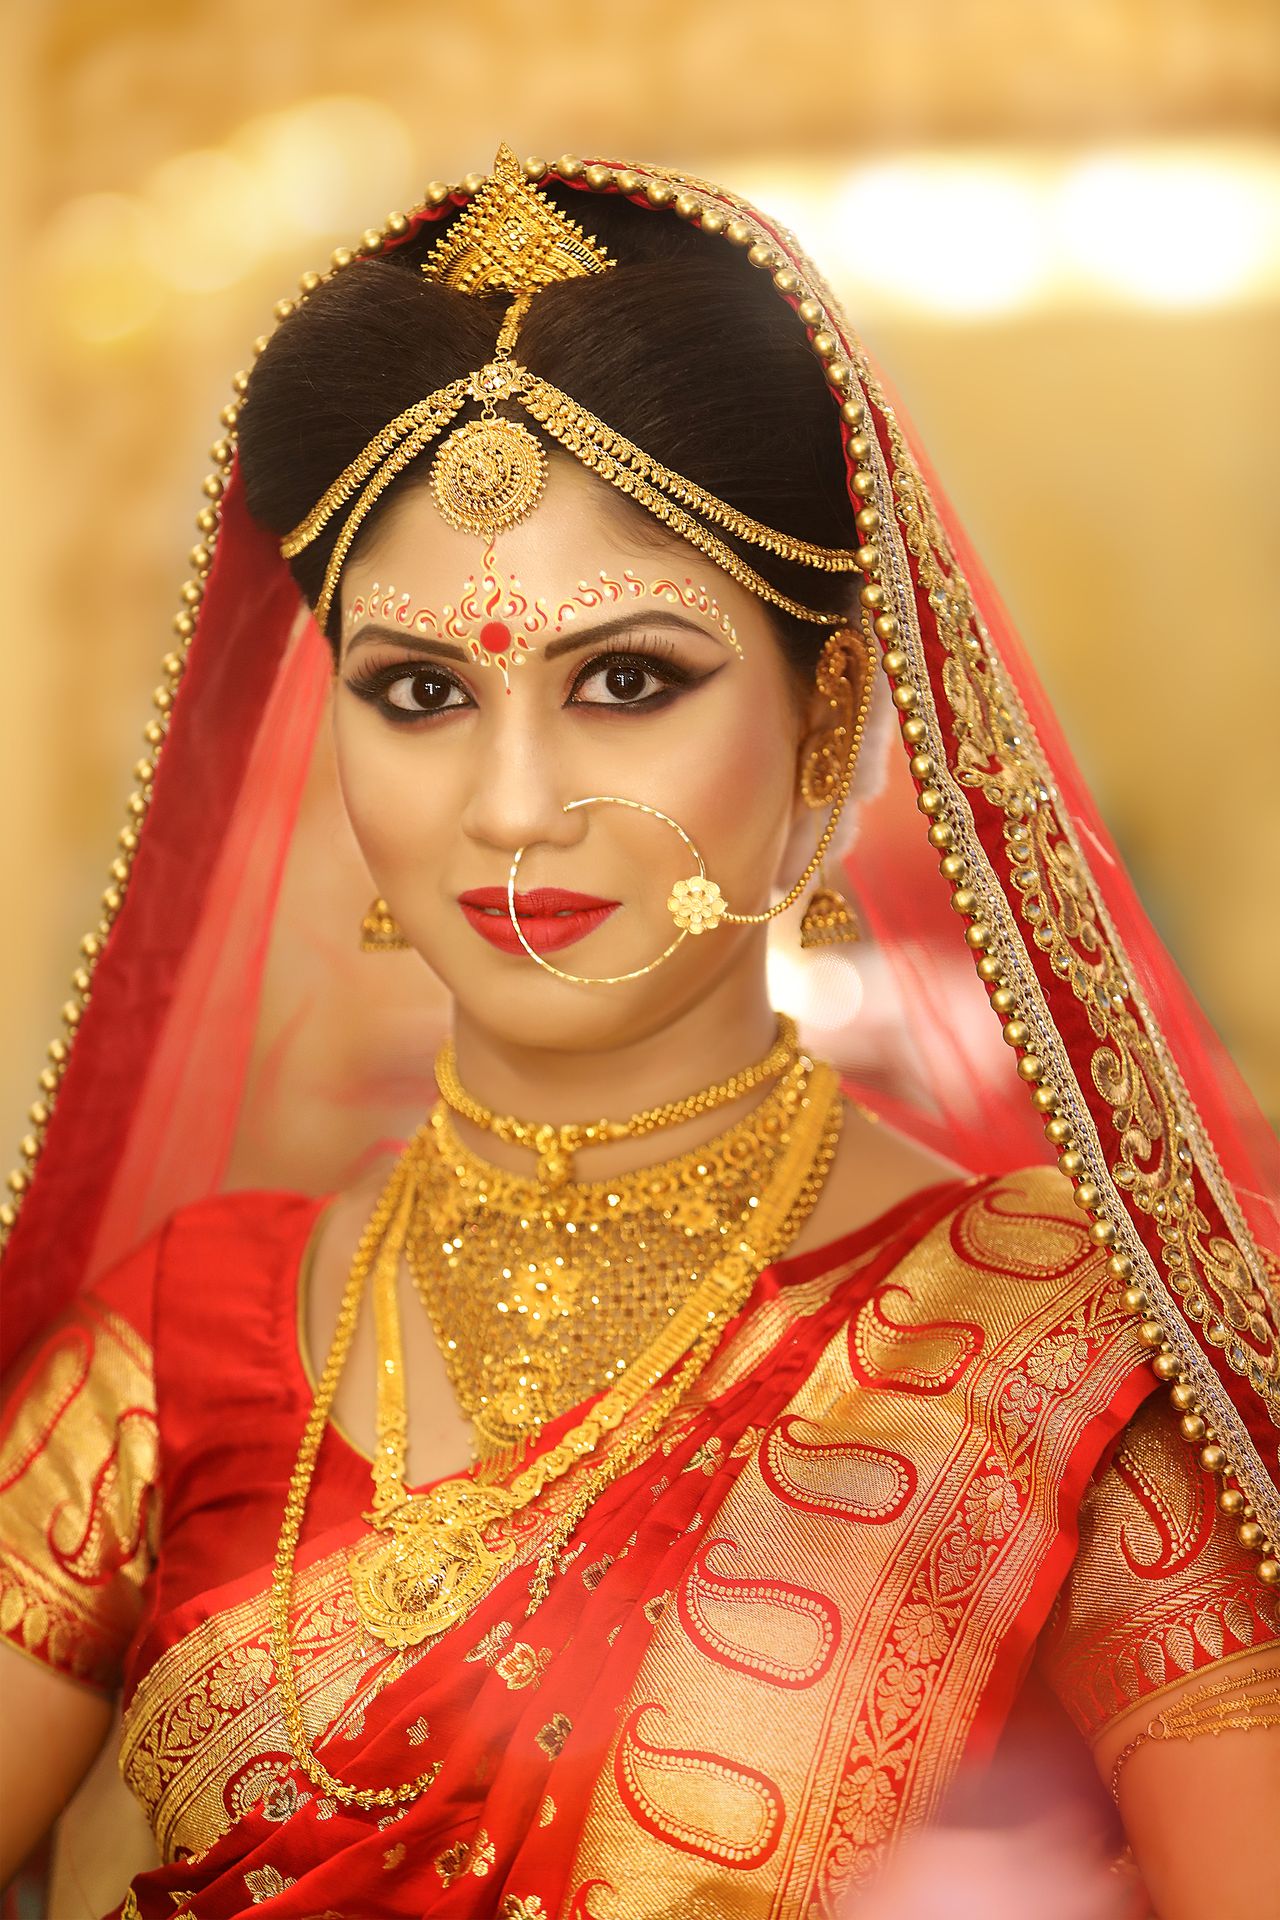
550 917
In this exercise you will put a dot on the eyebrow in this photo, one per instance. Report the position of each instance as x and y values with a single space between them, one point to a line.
563 643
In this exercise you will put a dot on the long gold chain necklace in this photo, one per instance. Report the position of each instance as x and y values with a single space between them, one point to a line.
433 1555
556 1146
541 1296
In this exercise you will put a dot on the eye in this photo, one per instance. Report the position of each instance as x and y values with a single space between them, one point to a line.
425 690
628 680
403 694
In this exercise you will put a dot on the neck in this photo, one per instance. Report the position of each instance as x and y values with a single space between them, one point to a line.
698 1045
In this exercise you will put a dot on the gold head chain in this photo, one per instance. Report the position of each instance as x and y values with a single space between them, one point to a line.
489 473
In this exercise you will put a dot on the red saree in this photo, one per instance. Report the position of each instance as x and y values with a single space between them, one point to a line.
770 1648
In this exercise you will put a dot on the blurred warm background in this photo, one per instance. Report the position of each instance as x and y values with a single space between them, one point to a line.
1057 223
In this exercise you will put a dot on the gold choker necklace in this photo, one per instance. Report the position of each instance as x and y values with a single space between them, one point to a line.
541 1297
556 1146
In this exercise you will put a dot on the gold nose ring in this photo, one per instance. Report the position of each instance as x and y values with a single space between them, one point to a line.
687 926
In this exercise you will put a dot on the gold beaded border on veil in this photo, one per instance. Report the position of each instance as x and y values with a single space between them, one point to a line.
894 514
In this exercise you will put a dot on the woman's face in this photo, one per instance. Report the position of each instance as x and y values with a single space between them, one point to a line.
481 689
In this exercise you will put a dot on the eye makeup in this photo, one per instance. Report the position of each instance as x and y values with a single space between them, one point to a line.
440 691
499 624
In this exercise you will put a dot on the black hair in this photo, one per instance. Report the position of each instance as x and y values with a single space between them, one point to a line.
683 347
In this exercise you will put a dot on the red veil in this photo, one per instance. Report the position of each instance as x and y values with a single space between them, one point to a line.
1026 995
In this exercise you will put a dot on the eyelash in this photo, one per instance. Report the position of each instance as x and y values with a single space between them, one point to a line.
654 654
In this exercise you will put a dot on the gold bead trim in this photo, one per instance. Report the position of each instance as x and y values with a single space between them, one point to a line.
1194 1424
94 943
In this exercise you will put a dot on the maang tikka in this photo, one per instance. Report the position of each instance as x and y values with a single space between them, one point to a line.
488 474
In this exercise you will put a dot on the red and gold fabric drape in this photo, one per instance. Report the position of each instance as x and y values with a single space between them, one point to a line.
771 1647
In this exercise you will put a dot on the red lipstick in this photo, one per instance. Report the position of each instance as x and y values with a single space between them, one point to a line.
549 917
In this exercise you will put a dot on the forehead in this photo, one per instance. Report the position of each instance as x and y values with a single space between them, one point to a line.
580 526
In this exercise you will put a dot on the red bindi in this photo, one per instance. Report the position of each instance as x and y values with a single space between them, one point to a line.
495 637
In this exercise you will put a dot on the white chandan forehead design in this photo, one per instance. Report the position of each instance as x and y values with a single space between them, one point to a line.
501 624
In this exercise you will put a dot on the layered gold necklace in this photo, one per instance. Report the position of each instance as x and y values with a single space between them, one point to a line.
542 1290
734 1206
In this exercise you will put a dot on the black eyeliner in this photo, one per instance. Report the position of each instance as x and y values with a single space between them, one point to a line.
653 656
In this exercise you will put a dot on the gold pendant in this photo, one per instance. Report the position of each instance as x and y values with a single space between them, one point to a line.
488 475
828 920
429 1564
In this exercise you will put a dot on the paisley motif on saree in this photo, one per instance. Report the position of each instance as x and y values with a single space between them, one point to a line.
767 1651
860 1616
1156 1591
77 1484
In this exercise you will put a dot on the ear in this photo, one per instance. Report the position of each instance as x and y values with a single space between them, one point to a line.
838 691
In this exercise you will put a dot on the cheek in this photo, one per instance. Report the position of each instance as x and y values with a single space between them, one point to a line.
738 781
394 812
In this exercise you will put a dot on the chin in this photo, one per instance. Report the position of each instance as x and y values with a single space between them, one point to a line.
521 1006
559 1018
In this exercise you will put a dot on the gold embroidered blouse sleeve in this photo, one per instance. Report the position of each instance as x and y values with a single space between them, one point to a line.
1160 1588
78 1460
1165 1649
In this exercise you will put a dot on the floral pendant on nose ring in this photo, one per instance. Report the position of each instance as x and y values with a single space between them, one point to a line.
696 904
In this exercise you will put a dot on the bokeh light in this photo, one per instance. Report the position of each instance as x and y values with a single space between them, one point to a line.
948 235
966 235
822 988
1180 230
322 165
92 262
930 234
203 224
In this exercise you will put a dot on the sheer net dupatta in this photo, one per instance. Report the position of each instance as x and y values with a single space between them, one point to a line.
1031 1006
148 1082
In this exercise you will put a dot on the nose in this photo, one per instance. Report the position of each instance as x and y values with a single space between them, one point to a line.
514 796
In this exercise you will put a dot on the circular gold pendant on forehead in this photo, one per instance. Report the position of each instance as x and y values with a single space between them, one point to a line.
488 475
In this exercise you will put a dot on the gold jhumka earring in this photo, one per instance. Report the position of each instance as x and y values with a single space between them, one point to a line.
380 931
828 919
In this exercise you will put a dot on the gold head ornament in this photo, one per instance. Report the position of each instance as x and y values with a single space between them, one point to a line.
489 473
512 239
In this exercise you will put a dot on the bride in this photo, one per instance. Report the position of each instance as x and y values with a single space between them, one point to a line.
671 1481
